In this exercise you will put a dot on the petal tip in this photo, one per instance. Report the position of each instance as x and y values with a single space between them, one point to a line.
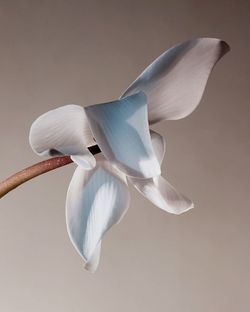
186 209
88 267
225 47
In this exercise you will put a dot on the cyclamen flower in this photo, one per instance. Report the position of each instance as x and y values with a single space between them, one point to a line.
169 89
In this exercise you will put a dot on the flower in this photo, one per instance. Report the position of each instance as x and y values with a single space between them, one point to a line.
168 89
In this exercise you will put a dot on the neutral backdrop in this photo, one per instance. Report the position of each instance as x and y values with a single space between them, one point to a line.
56 52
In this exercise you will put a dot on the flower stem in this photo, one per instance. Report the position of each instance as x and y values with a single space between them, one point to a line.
33 171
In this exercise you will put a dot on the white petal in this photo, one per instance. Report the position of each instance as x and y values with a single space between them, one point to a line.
158 190
162 194
93 262
63 130
159 145
122 133
96 200
175 81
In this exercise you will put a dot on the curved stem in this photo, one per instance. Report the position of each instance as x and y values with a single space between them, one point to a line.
33 171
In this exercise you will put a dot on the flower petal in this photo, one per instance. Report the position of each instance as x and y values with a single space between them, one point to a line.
175 81
162 194
63 130
93 262
96 200
158 190
122 133
159 145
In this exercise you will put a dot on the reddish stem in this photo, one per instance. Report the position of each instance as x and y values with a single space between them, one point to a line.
31 172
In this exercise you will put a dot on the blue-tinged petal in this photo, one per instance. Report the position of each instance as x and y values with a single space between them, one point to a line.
122 132
96 200
158 190
175 81
63 131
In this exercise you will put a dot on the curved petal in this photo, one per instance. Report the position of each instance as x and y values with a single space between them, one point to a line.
122 133
96 200
158 190
63 130
162 194
175 81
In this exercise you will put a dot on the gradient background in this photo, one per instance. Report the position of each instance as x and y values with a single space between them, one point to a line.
58 52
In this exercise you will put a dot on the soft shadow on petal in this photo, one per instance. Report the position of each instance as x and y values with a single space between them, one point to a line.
175 81
159 145
63 131
158 190
122 132
96 200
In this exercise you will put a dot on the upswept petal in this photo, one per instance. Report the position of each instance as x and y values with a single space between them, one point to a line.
158 190
175 81
96 200
122 133
63 130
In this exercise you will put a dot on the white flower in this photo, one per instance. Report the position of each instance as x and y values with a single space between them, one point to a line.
169 89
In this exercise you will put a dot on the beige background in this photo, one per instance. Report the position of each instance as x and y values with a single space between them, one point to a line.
58 52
